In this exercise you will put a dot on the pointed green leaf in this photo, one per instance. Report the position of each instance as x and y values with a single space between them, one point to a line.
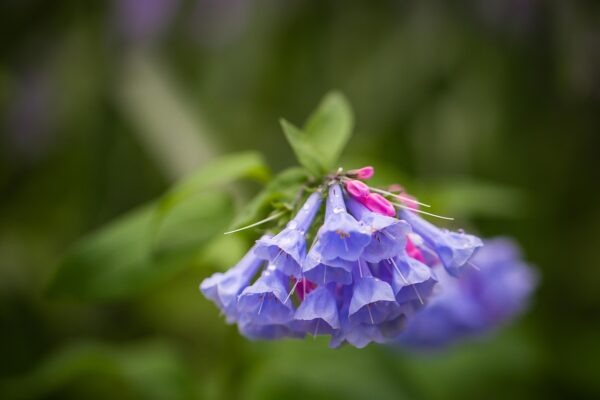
306 153
222 171
130 256
151 244
319 145
282 188
330 127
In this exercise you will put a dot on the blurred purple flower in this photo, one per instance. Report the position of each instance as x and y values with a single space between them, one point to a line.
477 302
143 21
31 114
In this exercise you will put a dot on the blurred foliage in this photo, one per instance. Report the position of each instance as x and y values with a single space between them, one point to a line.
487 109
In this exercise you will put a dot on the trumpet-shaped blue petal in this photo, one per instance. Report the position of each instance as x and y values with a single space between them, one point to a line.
318 270
355 333
318 312
341 235
372 301
224 288
453 248
254 331
411 280
287 249
266 302
388 235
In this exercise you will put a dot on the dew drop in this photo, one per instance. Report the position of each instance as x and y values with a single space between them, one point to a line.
338 210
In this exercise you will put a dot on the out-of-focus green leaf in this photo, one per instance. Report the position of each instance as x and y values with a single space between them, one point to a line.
306 152
330 127
131 255
325 134
281 189
150 370
150 244
226 169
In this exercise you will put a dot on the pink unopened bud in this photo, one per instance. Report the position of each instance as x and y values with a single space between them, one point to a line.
303 287
363 173
409 201
395 188
358 190
379 204
413 251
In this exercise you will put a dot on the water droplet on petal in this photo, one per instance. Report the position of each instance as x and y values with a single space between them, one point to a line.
338 210
292 225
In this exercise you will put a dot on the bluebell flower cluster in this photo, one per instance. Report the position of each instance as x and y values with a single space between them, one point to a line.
364 276
478 302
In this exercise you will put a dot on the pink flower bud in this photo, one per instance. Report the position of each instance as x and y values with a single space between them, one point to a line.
413 251
358 190
379 204
395 188
363 173
409 201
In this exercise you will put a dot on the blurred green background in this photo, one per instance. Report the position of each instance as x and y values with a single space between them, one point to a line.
488 109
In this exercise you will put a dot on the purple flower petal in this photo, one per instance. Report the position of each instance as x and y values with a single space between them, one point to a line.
287 250
341 235
388 237
453 248
317 270
224 288
318 313
411 280
372 301
475 303
255 331
266 302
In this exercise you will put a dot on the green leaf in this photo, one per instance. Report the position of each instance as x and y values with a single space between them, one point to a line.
282 188
306 153
330 127
325 134
148 369
130 255
149 245
226 169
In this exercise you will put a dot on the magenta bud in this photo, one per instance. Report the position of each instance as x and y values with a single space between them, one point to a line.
358 190
413 251
363 173
379 204
409 201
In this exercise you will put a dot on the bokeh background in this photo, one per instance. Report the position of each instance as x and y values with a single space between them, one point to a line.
488 109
